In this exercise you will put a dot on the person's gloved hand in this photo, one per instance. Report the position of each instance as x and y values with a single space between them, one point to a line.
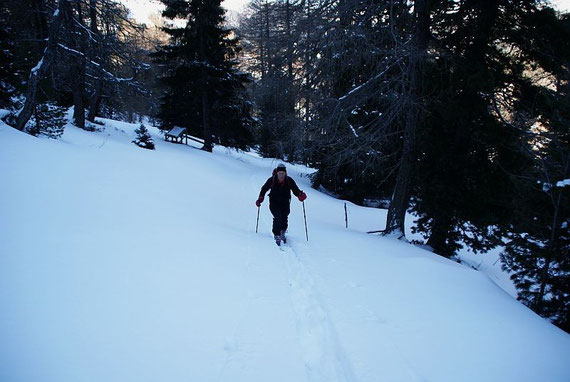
302 196
259 201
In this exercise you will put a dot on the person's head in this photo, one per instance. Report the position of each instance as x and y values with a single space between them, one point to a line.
281 172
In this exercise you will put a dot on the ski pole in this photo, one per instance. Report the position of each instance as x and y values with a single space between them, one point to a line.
257 224
305 215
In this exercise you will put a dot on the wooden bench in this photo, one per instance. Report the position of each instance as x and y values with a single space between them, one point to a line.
177 134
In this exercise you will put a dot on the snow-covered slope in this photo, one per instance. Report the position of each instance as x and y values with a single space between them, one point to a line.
123 264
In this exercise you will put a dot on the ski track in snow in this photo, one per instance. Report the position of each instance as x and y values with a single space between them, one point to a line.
325 360
233 344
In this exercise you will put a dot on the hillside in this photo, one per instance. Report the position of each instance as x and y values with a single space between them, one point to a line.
123 264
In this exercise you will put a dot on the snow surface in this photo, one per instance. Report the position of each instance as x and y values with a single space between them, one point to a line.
123 264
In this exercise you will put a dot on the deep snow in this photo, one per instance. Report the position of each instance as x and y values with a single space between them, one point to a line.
123 264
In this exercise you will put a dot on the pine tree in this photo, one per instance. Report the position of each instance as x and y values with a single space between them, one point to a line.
473 141
459 181
143 139
537 252
49 119
205 92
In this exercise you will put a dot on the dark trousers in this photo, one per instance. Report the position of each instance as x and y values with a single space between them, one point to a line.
280 212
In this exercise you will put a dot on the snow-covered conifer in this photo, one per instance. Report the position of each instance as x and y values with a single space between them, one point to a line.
144 139
48 120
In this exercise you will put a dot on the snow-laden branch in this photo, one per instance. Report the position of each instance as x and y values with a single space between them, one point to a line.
353 130
371 81
111 75
89 32
38 66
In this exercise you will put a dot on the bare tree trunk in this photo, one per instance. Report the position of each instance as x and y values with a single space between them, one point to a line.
401 196
267 46
552 245
262 54
93 16
78 93
40 70
438 235
307 61
95 100
289 40
78 87
206 128
208 145
39 11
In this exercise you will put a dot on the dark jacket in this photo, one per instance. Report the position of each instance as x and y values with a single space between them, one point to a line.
280 193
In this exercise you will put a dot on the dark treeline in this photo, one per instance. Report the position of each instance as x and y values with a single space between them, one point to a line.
454 110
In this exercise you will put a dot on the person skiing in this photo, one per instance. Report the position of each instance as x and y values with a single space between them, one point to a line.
281 186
